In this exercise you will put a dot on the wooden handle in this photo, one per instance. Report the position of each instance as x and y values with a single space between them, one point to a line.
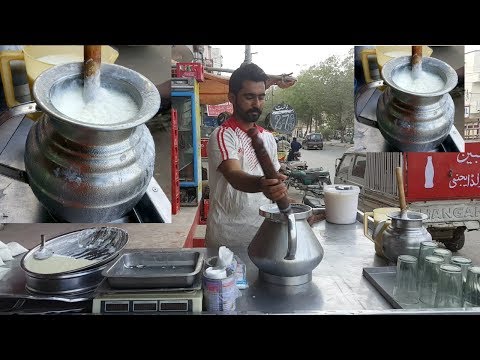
92 58
401 190
416 55
266 164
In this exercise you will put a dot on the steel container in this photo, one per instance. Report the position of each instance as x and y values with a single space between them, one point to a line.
101 245
413 121
87 172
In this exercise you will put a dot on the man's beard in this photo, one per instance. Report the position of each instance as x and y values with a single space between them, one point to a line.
251 115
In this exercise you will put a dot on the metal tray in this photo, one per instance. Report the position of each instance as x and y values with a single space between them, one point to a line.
383 278
164 268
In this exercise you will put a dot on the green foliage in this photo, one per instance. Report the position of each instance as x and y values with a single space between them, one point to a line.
322 96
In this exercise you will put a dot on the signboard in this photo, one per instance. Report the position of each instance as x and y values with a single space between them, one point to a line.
442 176
283 119
215 110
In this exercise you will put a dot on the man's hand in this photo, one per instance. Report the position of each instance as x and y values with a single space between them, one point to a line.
274 189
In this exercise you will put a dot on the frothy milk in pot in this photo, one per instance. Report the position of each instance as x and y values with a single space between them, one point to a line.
109 106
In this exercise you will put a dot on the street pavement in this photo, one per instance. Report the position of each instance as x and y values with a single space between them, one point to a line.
320 158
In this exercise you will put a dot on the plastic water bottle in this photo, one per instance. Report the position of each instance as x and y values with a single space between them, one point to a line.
429 173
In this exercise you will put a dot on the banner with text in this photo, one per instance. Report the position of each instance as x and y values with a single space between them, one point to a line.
215 110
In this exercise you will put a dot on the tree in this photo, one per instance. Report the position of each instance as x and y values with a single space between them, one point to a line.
322 96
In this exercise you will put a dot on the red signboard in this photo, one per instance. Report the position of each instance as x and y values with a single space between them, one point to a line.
203 149
215 110
472 147
442 176
194 70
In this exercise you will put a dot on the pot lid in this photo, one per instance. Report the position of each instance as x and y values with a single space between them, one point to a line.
76 251
341 189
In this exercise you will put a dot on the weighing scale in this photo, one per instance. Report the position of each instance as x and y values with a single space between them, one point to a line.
148 301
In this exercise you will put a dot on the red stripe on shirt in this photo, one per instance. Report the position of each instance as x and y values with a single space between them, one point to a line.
221 144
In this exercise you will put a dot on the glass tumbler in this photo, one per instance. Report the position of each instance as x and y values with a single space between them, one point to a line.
429 280
444 253
405 290
426 249
450 287
472 287
464 263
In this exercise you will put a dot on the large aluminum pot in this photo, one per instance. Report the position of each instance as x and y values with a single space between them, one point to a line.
99 245
413 121
88 172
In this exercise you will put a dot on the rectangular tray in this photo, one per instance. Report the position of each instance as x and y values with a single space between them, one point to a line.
383 279
154 269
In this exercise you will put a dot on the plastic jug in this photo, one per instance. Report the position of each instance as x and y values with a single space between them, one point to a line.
39 58
386 53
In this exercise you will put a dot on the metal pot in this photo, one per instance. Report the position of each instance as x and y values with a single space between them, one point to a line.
404 236
99 244
84 172
413 121
271 249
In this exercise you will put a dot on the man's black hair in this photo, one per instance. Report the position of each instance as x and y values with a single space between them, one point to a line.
246 71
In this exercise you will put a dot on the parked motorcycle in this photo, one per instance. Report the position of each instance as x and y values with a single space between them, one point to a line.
293 165
311 180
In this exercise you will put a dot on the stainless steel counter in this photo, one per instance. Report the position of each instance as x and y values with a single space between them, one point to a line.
337 286
337 282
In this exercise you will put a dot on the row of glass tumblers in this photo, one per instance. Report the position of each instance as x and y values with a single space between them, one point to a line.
436 279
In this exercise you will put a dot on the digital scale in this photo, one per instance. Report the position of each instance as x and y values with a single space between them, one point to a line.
107 300
148 303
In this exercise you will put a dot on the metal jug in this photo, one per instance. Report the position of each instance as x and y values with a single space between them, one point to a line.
84 172
380 224
413 121
404 235
285 251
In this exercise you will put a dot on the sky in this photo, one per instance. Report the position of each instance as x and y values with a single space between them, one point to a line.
280 59
469 48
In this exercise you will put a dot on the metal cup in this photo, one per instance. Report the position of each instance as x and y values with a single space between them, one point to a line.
405 290
450 287
429 280
472 287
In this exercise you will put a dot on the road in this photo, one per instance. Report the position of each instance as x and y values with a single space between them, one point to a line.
324 158
320 158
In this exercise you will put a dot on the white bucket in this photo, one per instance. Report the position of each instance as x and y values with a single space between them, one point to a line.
341 202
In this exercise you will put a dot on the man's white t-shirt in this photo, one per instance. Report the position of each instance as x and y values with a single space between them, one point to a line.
233 217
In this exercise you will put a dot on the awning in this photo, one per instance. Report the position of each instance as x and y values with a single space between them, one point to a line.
214 89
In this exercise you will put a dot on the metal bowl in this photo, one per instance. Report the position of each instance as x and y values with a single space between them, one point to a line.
100 244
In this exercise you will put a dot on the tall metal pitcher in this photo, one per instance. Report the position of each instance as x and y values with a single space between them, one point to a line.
282 256
91 172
